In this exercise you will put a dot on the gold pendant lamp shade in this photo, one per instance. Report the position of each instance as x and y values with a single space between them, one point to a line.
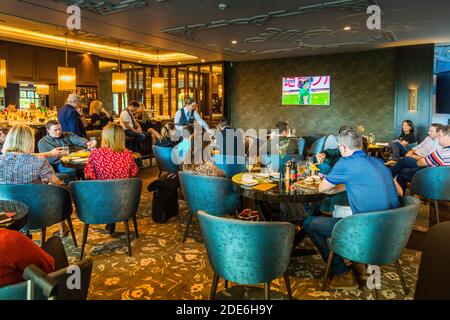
42 89
119 82
119 79
67 78
158 85
2 73
157 82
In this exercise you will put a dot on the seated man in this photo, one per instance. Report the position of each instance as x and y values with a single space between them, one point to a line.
407 166
131 126
230 140
17 252
55 138
439 157
369 188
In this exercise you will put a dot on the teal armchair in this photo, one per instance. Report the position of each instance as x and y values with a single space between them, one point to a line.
375 238
247 252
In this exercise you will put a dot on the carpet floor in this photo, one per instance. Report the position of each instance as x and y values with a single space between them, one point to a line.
164 268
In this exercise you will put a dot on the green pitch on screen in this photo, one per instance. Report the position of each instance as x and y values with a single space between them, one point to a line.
319 98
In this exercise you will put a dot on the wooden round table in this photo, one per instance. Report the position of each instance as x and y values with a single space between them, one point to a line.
21 210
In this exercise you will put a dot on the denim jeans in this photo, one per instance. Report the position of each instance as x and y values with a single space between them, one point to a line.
404 163
405 176
319 229
398 150
139 136
66 174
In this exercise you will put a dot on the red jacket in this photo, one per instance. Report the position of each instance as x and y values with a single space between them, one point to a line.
18 252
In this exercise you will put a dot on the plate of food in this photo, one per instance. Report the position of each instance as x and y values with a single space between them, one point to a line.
248 181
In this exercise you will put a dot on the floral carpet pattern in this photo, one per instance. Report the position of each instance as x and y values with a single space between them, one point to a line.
164 268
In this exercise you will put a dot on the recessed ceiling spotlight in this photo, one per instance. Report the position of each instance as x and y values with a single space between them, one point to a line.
140 61
234 42
348 28
179 62
203 60
223 6
89 53
114 68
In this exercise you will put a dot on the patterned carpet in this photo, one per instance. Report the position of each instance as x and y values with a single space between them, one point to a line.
162 267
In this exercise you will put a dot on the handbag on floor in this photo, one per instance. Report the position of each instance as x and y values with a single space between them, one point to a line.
165 197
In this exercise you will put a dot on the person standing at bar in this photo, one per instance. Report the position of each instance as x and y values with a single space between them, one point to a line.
71 116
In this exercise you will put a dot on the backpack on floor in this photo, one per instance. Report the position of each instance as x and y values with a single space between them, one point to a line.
165 197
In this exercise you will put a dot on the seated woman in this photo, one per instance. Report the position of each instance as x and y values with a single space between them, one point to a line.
18 165
112 160
168 136
199 160
404 143
100 117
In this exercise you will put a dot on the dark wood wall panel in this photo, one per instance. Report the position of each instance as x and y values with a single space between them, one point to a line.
40 65
47 61
23 62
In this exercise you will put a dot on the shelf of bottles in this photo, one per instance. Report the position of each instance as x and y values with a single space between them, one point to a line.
87 95
27 116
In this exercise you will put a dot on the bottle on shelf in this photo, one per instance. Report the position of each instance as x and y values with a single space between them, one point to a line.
293 172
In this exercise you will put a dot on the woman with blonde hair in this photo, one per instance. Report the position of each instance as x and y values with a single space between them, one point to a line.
100 117
112 161
18 164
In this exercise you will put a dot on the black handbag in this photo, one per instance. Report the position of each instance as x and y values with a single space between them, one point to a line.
165 197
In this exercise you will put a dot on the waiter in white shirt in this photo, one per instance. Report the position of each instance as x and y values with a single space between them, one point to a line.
187 115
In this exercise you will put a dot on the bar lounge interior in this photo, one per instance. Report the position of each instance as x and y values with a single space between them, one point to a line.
351 202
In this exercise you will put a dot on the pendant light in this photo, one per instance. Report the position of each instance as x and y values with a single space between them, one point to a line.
119 79
157 82
67 79
2 73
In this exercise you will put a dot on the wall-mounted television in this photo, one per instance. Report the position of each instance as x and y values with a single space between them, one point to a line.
309 91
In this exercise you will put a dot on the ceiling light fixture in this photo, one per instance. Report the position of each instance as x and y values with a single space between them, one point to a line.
3 73
67 78
157 81
234 42
119 79
348 28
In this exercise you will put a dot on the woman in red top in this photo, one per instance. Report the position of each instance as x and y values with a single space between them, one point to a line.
112 161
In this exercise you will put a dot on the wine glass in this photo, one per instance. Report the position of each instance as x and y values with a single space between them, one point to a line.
250 163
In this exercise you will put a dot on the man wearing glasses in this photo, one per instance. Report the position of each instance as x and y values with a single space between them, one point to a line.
71 116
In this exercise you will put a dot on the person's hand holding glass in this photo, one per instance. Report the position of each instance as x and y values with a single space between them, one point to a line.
92 143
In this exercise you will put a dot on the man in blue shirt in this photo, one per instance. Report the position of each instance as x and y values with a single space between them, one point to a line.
369 186
70 116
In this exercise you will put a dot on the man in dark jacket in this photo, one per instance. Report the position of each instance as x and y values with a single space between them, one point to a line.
70 116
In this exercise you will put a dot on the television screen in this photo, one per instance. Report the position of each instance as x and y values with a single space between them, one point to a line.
314 91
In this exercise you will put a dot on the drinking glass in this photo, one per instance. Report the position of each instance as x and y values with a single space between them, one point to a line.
250 163
65 149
